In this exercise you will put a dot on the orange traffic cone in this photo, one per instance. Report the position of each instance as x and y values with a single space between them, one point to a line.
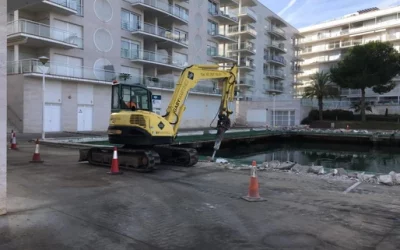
36 156
253 194
115 164
14 142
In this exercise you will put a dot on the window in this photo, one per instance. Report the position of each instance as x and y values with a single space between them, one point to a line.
182 35
67 66
130 49
181 12
129 20
212 7
212 28
67 32
283 118
212 49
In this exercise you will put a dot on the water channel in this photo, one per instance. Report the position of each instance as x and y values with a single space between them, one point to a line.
351 157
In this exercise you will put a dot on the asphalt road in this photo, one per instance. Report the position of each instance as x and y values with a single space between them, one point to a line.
63 204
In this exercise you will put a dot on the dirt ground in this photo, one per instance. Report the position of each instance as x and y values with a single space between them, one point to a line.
63 204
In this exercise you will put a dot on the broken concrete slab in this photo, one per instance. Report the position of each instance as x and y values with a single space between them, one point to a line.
385 179
316 170
297 168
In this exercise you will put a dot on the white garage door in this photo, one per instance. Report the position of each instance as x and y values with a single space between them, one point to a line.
85 118
284 118
52 116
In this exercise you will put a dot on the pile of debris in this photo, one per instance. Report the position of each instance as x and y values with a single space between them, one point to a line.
292 167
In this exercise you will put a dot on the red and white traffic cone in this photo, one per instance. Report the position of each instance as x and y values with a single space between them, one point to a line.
115 163
14 141
253 194
36 156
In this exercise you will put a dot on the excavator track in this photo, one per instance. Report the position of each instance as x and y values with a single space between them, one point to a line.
176 156
134 159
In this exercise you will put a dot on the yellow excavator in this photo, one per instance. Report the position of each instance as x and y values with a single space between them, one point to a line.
145 137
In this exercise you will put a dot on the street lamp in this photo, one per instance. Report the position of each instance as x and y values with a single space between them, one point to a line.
273 109
43 60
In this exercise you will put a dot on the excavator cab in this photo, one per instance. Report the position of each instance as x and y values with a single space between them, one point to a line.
127 97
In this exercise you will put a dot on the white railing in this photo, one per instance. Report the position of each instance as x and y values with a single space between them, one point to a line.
342 44
152 56
156 30
161 5
43 30
244 28
214 52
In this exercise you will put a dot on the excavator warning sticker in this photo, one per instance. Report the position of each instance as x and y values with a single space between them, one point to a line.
190 75
161 125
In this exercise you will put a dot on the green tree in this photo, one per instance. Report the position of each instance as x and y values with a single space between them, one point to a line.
320 88
357 106
372 65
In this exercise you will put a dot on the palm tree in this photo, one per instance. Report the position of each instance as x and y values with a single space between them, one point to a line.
357 106
320 88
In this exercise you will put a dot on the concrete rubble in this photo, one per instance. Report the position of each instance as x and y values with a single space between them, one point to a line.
390 179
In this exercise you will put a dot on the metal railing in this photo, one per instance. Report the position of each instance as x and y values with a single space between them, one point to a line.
43 30
246 11
241 46
213 51
152 56
275 73
70 4
247 63
278 45
278 59
156 30
277 30
158 4
243 28
224 13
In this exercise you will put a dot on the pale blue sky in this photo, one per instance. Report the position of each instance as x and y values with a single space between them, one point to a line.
302 13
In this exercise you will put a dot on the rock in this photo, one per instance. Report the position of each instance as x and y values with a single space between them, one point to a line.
265 165
274 164
334 171
220 160
385 179
395 178
297 168
366 178
316 170
352 175
287 165
341 172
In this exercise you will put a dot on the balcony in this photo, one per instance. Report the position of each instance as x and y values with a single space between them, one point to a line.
163 61
246 15
155 34
277 46
220 56
230 3
296 69
277 60
297 58
63 7
275 74
247 32
277 32
161 8
39 35
225 17
246 65
273 88
247 82
221 37
297 83
246 48
276 20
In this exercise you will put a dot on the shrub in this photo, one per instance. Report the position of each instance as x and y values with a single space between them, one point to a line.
339 114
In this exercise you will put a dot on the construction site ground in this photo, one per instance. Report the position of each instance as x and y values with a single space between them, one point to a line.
63 204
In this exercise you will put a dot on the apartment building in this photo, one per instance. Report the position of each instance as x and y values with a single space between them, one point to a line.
92 43
324 44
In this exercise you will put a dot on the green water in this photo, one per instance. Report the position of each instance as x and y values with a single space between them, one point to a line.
351 157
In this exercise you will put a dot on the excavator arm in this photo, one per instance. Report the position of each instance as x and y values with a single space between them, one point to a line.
189 78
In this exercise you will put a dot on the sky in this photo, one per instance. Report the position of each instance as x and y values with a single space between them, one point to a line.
303 13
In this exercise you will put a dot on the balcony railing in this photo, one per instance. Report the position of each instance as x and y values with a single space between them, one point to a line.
247 64
152 56
156 30
245 11
278 45
278 59
70 4
44 31
274 73
277 30
161 5
243 28
247 81
242 46
224 13
274 87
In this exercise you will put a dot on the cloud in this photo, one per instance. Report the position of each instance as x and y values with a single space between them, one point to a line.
290 4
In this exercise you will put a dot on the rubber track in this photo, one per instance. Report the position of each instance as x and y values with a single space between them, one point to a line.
134 154
176 156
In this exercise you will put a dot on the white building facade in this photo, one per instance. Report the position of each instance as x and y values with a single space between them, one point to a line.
90 43
324 44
